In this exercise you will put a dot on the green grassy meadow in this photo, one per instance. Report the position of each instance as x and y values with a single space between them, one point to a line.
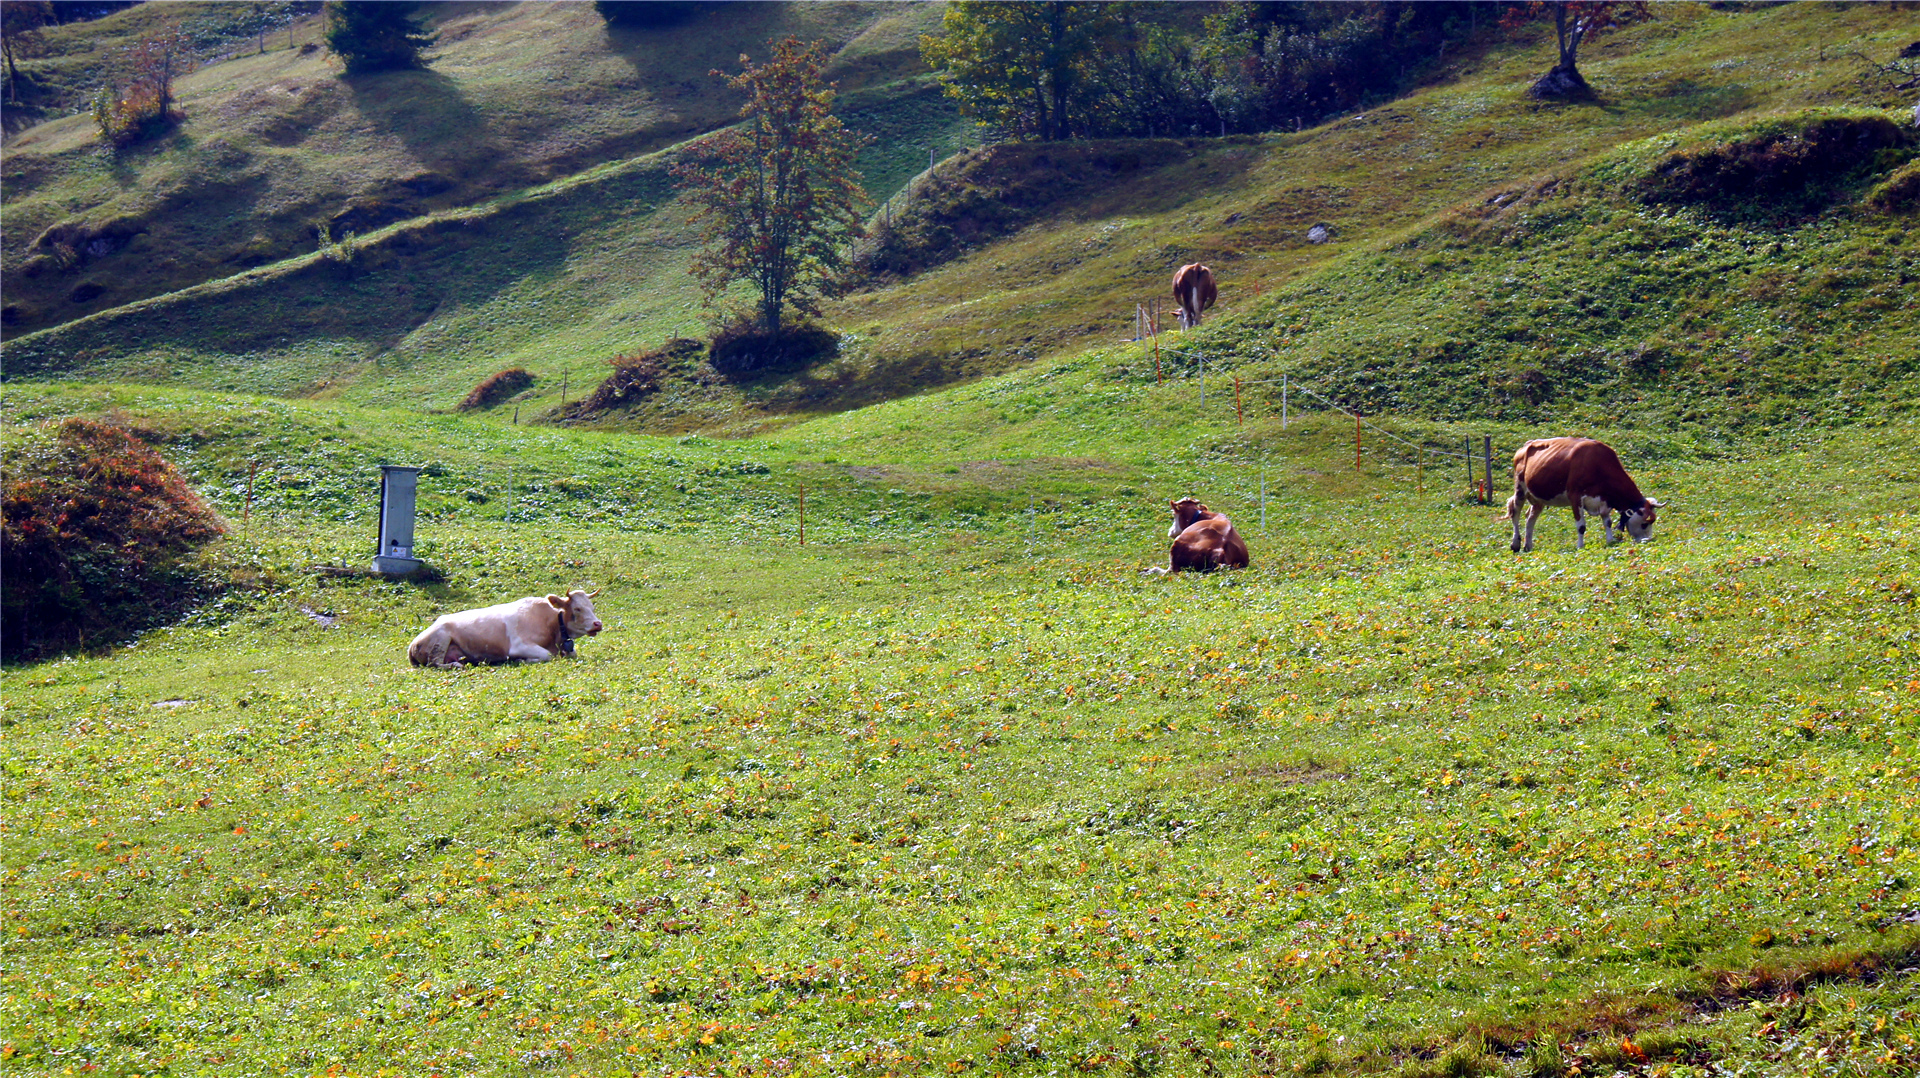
928 777
953 786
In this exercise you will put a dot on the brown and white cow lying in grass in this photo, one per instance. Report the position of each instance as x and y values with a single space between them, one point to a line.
533 629
1581 473
1203 540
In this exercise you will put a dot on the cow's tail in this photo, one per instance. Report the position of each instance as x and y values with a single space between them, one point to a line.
1514 499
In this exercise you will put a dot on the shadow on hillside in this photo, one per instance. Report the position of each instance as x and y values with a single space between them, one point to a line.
425 110
843 387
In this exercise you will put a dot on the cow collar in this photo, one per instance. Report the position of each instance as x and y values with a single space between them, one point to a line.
566 636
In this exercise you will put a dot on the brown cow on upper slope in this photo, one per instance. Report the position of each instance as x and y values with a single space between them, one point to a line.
1581 473
532 629
1193 287
1203 540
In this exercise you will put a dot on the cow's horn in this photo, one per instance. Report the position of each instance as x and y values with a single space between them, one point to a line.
593 593
1656 505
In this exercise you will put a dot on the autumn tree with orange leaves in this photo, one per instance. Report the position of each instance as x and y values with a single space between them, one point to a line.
777 195
1574 23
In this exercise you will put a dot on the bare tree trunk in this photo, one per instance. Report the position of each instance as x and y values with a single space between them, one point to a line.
1565 79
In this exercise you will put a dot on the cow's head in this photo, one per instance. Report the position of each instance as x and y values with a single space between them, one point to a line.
576 612
1639 522
1185 511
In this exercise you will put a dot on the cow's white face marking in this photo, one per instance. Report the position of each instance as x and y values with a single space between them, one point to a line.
577 610
1639 523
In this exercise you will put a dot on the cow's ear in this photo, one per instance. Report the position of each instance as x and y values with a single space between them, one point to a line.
556 602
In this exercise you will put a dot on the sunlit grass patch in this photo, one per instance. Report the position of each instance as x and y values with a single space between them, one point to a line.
955 774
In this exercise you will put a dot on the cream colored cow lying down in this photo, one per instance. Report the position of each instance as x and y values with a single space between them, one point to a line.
532 629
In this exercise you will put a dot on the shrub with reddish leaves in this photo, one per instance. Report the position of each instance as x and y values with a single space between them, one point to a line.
100 537
496 388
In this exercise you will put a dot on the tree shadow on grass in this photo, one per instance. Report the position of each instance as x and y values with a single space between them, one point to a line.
425 111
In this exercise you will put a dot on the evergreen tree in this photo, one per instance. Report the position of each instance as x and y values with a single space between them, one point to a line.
375 35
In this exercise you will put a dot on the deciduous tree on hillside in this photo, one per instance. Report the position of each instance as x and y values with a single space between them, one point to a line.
146 109
777 195
20 24
1574 21
1024 67
375 35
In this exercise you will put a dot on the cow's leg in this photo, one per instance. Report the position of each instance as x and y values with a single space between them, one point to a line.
1513 517
1579 526
1533 517
532 653
1606 523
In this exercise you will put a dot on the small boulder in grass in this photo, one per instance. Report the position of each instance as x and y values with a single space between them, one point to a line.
497 388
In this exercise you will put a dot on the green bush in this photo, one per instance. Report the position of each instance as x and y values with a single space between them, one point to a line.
100 541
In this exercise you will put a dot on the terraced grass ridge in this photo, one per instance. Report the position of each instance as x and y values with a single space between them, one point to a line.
891 760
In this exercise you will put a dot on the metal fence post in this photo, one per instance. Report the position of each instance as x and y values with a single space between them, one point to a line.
1486 446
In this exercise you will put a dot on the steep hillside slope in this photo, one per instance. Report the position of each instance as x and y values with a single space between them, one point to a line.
278 147
561 278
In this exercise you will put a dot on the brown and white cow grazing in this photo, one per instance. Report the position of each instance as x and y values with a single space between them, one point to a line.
1203 540
1193 287
533 629
1581 473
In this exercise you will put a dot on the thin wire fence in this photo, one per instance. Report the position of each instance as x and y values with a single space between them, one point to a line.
1482 487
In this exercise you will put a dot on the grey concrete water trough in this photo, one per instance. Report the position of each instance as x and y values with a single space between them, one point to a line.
394 555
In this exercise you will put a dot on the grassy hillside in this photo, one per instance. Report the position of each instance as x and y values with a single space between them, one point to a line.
277 145
1437 170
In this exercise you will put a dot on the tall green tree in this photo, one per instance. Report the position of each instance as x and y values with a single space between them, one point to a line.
375 35
1032 69
777 195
